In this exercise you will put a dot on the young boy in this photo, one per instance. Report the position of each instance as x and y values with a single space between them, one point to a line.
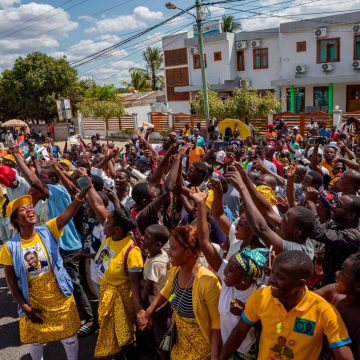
294 319
155 276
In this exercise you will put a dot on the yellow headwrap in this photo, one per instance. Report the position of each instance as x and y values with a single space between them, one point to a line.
15 204
268 193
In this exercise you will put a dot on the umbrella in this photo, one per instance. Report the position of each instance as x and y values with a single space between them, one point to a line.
14 123
244 130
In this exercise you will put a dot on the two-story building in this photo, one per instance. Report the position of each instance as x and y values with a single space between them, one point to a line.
312 64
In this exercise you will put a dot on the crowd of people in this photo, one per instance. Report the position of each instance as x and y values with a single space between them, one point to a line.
206 246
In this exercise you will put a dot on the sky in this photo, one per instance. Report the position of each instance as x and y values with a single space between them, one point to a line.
77 28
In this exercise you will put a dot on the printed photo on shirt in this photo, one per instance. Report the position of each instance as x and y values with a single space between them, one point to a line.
102 260
35 260
281 350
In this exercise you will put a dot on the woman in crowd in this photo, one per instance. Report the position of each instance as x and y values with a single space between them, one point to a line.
193 292
38 282
240 276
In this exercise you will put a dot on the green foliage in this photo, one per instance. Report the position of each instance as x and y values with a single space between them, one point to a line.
105 92
229 24
30 88
139 80
245 102
216 105
103 109
149 77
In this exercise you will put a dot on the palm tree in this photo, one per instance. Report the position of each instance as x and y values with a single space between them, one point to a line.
229 25
139 80
154 59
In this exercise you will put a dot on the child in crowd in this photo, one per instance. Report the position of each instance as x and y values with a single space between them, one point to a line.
155 276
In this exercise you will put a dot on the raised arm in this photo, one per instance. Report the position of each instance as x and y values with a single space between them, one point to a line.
211 255
217 207
71 210
107 158
256 221
32 179
259 200
96 203
69 185
259 163
290 190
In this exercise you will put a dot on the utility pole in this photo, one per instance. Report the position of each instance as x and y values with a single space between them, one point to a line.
199 21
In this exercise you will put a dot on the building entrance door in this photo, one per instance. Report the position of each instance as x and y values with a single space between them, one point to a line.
353 98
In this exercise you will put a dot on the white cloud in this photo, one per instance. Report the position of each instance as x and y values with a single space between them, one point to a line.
136 20
85 18
296 11
4 4
216 11
30 27
89 46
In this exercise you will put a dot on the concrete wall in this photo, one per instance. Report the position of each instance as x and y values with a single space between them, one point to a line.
141 112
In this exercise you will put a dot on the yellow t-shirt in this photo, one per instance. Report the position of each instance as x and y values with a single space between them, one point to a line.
2 198
327 167
35 255
297 334
196 154
109 261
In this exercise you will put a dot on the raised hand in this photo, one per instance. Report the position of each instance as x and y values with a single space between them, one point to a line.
197 195
233 176
215 185
13 149
312 194
291 171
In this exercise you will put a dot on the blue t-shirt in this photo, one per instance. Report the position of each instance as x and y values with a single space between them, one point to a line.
324 132
59 199
55 151
200 142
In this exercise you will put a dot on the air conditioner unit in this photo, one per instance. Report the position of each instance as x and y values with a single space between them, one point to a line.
356 28
194 50
356 65
245 82
240 45
256 43
301 69
321 32
328 67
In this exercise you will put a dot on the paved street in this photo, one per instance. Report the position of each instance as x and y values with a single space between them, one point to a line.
10 347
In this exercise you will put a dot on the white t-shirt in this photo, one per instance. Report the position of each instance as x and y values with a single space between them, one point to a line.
227 320
155 269
97 236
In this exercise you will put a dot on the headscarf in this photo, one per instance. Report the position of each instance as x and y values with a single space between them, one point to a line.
268 193
252 261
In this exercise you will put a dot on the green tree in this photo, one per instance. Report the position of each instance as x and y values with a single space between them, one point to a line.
30 88
102 109
216 105
229 24
245 102
104 92
139 80
154 58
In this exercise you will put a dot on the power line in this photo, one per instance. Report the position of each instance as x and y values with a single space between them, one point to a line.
35 17
30 25
97 54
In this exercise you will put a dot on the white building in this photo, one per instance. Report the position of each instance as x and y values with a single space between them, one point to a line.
312 64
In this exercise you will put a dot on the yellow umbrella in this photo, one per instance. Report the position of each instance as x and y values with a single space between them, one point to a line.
244 130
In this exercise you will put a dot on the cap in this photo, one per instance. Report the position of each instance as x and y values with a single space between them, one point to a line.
15 204
295 128
271 126
9 157
66 163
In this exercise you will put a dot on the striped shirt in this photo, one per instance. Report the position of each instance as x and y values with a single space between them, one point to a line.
183 300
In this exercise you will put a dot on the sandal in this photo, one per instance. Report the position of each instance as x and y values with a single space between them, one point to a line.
86 330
